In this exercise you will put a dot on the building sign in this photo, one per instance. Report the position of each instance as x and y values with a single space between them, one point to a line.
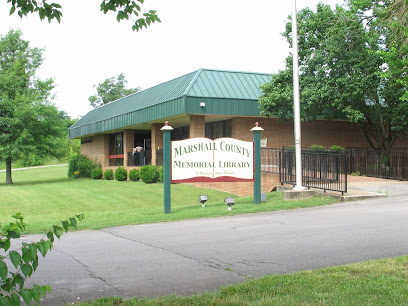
205 160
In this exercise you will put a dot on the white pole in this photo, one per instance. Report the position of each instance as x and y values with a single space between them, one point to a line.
296 100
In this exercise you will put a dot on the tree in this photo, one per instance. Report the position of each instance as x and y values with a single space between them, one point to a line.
29 122
392 16
126 9
343 73
110 90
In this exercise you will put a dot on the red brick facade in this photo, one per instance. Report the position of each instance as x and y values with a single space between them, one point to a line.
97 149
244 189
276 134
197 126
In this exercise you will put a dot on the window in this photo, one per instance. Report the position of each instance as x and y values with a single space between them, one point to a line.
115 149
218 129
180 133
84 141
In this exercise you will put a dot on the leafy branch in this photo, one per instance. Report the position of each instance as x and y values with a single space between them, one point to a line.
25 259
125 9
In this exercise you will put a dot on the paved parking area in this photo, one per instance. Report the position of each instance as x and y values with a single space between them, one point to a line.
193 256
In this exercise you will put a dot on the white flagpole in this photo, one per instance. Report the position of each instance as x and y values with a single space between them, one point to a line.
296 100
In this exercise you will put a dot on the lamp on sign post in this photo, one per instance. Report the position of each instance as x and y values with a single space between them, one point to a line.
296 101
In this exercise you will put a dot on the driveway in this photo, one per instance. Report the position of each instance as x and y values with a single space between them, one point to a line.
189 257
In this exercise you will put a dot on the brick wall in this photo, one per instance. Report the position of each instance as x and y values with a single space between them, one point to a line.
321 132
128 143
157 140
197 126
97 150
243 189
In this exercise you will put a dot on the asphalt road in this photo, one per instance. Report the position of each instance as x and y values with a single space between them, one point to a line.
189 257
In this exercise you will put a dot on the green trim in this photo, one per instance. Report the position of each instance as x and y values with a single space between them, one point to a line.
224 92
158 111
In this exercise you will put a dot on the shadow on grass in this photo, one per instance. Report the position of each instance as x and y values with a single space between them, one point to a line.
37 182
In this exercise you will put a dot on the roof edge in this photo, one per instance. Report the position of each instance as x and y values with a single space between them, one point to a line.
236 71
192 82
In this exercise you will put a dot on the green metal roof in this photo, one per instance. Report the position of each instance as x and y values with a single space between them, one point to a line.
225 92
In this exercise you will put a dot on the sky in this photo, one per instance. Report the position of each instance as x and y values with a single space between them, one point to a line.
88 47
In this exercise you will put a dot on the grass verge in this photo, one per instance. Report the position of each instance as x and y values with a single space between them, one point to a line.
377 282
45 196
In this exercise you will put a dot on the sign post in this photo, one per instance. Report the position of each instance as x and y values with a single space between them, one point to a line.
166 166
257 156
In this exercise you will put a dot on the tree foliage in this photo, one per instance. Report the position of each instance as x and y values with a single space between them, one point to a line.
18 264
110 90
126 9
343 73
392 17
29 122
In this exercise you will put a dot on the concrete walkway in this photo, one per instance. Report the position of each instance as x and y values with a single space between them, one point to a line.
357 188
46 166
194 256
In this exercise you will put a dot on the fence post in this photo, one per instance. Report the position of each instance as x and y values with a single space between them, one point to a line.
166 166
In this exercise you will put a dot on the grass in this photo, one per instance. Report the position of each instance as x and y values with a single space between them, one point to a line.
380 282
45 196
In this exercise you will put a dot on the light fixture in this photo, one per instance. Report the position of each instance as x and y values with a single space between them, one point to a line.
202 104
229 201
203 199
263 197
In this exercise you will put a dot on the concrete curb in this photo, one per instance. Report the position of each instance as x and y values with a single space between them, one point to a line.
351 195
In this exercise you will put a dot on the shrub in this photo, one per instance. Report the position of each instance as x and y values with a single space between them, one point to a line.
80 166
161 175
96 173
149 174
316 147
121 174
108 174
337 149
134 175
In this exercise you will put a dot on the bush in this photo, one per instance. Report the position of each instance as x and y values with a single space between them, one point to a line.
134 175
96 173
80 166
149 174
316 147
337 149
121 174
161 175
108 174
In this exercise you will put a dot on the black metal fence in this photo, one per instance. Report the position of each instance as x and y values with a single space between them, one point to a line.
139 158
390 165
270 160
320 169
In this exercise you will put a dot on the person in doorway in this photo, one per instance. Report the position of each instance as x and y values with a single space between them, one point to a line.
134 154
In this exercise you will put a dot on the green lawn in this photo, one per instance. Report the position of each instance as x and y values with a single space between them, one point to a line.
381 282
45 196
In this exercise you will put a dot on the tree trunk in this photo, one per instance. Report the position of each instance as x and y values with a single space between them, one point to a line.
8 171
